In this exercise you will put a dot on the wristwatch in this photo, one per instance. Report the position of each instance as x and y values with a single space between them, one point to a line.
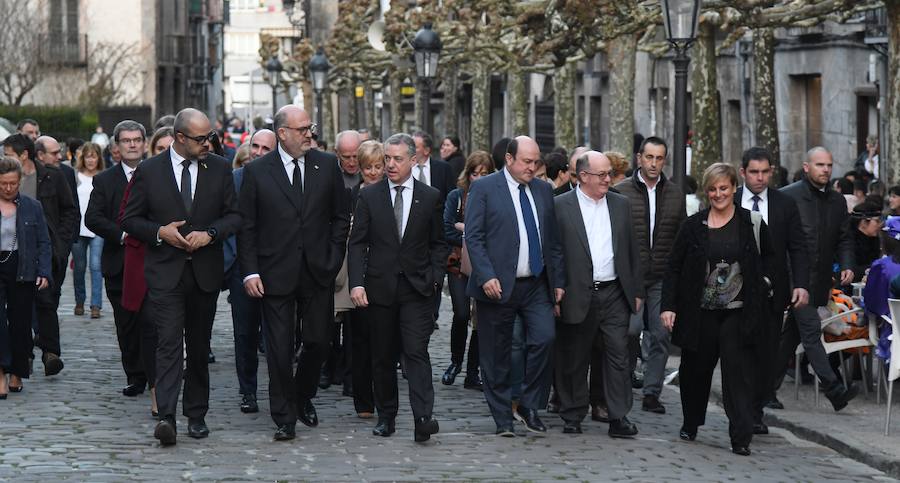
212 232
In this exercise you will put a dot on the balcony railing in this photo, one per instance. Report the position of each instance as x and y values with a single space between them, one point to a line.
63 49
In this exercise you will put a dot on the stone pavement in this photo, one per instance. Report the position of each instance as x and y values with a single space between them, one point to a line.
77 426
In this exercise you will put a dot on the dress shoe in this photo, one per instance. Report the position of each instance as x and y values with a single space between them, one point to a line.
15 383
165 431
840 396
52 364
450 374
211 358
132 390
79 309
384 428
532 421
425 427
324 381
197 428
687 434
774 404
365 415
572 427
348 389
285 432
473 382
95 312
599 413
306 413
651 404
637 382
741 450
505 431
248 404
760 428
622 428
553 407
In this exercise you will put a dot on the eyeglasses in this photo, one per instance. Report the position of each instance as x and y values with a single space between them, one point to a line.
134 140
601 175
201 139
311 129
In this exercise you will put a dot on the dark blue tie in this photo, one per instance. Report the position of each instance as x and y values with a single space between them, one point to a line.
535 259
756 199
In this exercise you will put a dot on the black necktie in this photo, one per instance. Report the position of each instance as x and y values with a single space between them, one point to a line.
756 199
186 185
298 178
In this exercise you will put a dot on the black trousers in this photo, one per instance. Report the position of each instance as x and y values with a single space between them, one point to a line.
47 303
307 315
16 304
803 325
339 361
606 329
459 331
361 360
246 317
403 327
766 356
719 338
183 318
129 333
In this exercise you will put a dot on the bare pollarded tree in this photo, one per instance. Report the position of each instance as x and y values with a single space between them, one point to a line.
22 69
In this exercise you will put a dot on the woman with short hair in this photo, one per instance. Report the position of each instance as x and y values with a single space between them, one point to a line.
88 246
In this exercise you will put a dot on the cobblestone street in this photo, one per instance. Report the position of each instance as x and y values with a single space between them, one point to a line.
78 426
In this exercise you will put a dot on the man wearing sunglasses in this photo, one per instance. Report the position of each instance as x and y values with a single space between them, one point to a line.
182 205
293 237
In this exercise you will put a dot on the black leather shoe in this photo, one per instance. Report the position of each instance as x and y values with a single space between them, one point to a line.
324 381
532 421
450 374
197 428
741 450
774 404
552 408
165 431
285 432
687 434
425 427
384 428
599 413
652 404
133 390
760 428
840 396
474 382
211 358
636 382
52 364
307 414
622 428
505 431
248 403
572 427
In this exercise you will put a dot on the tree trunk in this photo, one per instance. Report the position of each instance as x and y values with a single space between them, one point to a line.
766 115
369 103
518 101
396 79
352 111
706 146
564 106
421 103
481 108
893 94
328 118
622 53
451 111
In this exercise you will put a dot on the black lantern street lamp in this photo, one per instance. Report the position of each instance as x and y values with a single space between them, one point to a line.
318 70
680 19
293 9
427 50
274 68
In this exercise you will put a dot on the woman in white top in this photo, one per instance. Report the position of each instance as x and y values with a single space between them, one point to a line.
88 163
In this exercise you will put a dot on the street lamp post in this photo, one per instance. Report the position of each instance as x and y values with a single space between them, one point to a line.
680 18
318 69
427 50
274 68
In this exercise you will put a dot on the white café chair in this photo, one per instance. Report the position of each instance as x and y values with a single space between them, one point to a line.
894 365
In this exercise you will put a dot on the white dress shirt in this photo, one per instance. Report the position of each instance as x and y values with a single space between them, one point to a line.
523 269
288 161
598 226
405 195
129 172
871 165
177 168
426 167
651 201
747 202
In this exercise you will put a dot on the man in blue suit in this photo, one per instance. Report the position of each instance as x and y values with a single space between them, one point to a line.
517 270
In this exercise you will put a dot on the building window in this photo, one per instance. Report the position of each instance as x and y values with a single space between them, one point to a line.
64 43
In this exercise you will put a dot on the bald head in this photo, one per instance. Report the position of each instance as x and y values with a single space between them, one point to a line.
346 145
573 160
262 142
594 174
522 156
192 134
293 129
47 151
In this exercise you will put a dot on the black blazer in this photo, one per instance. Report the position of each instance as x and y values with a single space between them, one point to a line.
277 227
154 201
377 257
102 214
60 211
790 260
442 178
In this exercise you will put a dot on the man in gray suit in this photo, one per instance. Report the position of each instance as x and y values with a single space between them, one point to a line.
605 285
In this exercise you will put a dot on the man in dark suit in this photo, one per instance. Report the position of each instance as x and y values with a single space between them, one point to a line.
397 255
47 152
182 204
48 185
517 270
604 286
573 181
101 217
292 242
780 212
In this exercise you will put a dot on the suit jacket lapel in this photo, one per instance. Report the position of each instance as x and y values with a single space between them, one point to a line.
166 159
574 212
502 185
278 174
384 204
615 221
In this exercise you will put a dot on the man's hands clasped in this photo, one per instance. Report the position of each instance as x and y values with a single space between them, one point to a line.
194 240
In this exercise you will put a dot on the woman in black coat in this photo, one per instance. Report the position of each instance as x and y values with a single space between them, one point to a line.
715 309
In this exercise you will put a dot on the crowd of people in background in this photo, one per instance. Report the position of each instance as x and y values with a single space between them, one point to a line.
563 269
